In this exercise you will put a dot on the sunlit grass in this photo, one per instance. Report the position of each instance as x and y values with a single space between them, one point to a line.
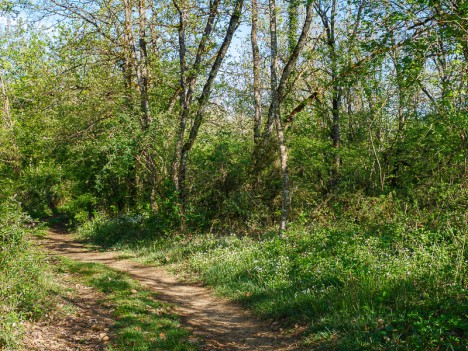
354 288
141 321
27 288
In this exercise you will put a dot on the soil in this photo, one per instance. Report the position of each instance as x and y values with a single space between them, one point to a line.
221 324
80 322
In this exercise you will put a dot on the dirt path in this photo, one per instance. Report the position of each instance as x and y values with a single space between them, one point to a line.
80 322
221 324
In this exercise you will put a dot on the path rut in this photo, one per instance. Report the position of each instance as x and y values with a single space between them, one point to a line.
221 324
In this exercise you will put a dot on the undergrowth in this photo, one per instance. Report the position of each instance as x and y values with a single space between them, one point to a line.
382 277
25 281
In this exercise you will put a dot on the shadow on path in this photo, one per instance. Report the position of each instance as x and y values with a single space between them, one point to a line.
223 325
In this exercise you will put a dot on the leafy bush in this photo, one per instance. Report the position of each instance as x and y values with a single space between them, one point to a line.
41 188
122 230
80 210
24 279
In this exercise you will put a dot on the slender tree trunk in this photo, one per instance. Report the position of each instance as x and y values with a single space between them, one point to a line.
256 74
293 25
7 120
139 61
131 51
395 170
336 102
187 85
144 100
182 97
202 102
292 29
336 99
329 23
257 94
13 152
274 116
285 195
278 93
274 105
281 94
143 50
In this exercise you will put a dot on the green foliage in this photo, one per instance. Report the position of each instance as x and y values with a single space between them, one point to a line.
25 283
390 199
109 231
41 189
221 161
367 292
376 275
80 209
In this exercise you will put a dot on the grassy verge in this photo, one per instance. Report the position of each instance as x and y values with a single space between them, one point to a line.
381 285
142 323
26 284
29 290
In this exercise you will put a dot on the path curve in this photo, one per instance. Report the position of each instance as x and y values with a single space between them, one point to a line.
222 325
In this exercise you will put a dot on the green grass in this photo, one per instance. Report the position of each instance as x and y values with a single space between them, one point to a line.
142 322
26 285
28 290
387 286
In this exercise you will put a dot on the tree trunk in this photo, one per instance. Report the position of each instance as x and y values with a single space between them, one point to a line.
278 92
285 195
202 102
145 106
182 97
329 23
256 74
274 105
140 64
293 25
187 88
12 154
336 100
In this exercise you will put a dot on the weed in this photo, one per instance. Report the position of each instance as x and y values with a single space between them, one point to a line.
400 285
25 283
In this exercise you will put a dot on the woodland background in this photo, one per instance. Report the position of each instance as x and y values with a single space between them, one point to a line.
311 152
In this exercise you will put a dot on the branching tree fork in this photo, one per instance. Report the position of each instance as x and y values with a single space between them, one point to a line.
183 147
279 88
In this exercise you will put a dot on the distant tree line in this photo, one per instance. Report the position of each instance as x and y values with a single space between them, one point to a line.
234 111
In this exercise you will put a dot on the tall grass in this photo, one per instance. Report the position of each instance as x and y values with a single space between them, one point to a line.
25 282
378 277
348 286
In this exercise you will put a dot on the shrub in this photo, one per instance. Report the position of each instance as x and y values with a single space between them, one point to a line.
24 277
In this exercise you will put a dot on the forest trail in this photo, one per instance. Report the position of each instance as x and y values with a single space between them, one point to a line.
222 325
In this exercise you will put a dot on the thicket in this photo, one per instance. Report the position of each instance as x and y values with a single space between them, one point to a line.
25 282
113 110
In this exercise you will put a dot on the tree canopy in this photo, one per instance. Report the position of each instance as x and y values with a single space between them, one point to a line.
231 111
